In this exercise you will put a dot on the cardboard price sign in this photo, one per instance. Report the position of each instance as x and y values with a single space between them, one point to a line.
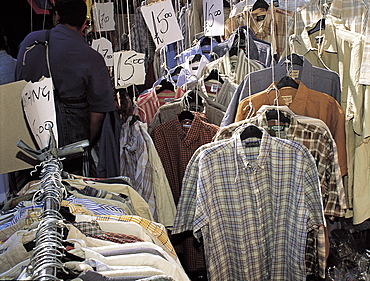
161 20
38 105
103 16
213 12
104 47
129 69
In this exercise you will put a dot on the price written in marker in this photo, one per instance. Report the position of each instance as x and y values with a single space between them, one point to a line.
213 12
162 23
129 69
103 16
39 108
104 47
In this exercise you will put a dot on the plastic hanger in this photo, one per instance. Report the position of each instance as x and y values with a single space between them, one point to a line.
287 81
294 59
251 131
196 58
320 25
214 75
186 114
166 85
260 4
205 41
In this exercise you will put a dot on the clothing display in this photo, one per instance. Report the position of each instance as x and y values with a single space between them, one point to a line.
244 155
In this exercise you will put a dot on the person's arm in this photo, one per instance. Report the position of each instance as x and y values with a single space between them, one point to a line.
96 123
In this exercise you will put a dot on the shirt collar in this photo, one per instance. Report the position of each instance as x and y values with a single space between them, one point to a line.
194 131
326 36
264 148
70 32
305 74
298 105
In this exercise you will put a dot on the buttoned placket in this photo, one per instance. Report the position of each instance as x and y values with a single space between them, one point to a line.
252 172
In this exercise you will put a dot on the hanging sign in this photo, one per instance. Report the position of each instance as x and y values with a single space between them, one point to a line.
103 16
38 105
104 47
162 23
213 12
129 69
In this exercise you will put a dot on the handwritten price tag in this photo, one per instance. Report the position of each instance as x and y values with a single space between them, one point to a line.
38 105
104 47
128 69
213 11
162 23
103 16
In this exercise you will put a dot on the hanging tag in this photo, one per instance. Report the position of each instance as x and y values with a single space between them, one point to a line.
294 73
39 108
162 23
104 47
288 99
128 69
103 16
214 88
213 13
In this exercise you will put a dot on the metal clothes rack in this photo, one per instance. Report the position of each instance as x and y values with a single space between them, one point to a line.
47 254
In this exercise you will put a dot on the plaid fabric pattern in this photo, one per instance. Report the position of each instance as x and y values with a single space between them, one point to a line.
321 146
157 230
306 102
135 163
175 147
92 229
261 199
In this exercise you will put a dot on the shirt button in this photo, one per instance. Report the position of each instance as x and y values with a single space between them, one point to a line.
260 209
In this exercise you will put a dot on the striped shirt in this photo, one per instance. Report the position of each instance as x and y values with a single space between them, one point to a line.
146 106
134 162
263 199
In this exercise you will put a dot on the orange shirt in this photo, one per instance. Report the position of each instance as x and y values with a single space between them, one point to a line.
307 102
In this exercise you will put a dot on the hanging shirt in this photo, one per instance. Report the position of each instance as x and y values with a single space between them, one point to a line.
235 68
303 101
134 160
249 195
176 144
315 78
146 106
322 147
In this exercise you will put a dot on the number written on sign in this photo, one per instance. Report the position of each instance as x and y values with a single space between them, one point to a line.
129 68
162 23
104 16
213 17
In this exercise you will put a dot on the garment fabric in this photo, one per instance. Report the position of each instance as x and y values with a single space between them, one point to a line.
140 206
7 68
304 101
164 202
322 148
175 145
156 231
232 171
147 105
235 68
315 78
199 48
134 162
108 161
341 50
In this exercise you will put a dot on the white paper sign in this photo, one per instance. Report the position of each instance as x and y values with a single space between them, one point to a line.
38 105
103 16
104 47
129 69
162 23
213 11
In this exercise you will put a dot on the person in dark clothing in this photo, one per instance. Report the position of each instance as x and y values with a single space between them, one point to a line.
83 91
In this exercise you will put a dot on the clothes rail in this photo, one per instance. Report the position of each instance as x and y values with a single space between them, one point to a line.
48 251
